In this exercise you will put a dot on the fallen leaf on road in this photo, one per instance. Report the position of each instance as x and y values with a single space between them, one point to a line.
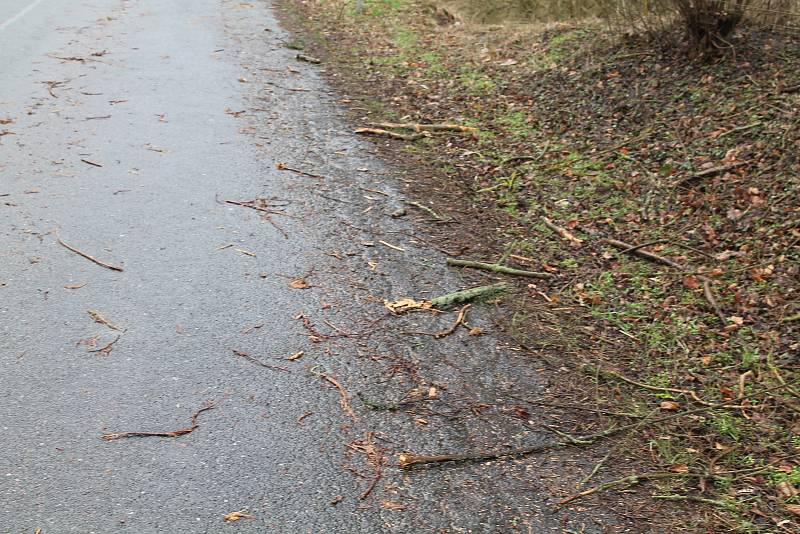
404 305
299 283
235 516
75 286
296 356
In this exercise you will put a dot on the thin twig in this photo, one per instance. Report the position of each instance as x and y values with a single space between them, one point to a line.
633 249
344 399
174 434
563 232
249 358
709 296
90 258
387 133
106 349
627 481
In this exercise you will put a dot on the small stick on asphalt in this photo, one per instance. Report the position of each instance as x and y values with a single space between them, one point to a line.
283 167
174 434
344 396
92 163
632 249
265 211
395 247
106 350
387 133
563 232
96 317
259 362
90 258
497 268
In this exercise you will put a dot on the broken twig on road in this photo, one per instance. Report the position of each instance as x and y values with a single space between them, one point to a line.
256 361
174 434
90 258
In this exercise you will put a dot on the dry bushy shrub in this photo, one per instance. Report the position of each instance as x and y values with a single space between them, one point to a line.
708 23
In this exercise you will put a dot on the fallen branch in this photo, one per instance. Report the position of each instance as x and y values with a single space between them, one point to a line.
688 392
344 396
692 498
563 232
632 249
90 258
256 361
174 434
443 301
408 460
387 133
497 268
791 318
627 481
443 127
708 172
790 89
468 295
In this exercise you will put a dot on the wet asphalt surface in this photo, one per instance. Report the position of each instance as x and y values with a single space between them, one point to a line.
132 122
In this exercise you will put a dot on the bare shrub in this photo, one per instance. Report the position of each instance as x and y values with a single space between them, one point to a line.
707 24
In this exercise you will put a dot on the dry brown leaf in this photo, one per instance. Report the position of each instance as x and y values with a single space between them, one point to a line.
669 405
299 283
235 516
404 305
786 489
691 282
296 356
679 468
793 509
74 286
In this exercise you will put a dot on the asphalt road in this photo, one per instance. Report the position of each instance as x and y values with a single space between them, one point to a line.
128 124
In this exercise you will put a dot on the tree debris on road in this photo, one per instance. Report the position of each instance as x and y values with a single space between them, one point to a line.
174 434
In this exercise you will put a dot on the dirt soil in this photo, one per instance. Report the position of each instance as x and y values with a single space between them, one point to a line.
661 194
